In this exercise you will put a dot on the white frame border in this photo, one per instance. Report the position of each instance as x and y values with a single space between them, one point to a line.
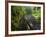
23 32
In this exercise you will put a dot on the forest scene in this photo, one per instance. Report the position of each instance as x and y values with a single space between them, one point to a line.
25 18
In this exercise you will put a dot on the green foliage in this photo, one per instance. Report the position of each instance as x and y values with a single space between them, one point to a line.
36 13
17 12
